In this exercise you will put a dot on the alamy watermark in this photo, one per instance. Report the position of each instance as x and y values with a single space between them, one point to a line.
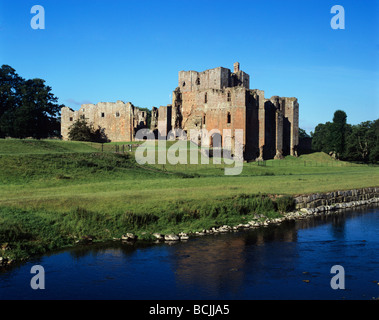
338 21
223 147
338 281
37 21
38 281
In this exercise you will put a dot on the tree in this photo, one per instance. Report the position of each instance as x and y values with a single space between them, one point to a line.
321 138
303 134
81 131
362 142
338 132
350 142
28 108
10 97
331 136
305 142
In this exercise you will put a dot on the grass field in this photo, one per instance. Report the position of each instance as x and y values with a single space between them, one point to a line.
52 193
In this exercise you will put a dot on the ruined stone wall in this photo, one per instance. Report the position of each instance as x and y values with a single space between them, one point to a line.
209 79
118 119
218 78
214 99
226 110
206 99
68 118
277 135
176 113
164 120
291 112
214 110
269 150
260 101
251 151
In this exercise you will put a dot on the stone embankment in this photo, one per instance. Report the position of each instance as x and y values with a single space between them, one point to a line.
306 206
320 200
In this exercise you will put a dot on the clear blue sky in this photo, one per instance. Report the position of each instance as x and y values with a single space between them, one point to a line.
97 50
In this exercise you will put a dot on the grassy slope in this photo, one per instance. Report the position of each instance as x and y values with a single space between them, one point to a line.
51 190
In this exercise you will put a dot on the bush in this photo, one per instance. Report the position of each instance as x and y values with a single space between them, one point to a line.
285 204
81 131
12 232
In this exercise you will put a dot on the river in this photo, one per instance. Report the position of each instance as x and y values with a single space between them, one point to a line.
289 261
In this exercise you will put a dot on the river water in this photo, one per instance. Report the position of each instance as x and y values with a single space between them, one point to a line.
290 261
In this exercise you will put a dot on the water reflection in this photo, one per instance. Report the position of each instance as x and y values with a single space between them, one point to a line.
263 263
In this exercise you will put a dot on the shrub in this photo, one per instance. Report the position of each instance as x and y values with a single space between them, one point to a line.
12 232
81 131
285 204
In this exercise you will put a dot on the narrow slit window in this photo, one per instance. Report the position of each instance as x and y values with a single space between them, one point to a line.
102 114
229 97
229 120
206 98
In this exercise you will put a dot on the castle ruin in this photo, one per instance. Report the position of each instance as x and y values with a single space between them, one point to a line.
214 99
119 120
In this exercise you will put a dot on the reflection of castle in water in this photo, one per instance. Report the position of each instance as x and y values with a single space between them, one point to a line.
226 264
218 263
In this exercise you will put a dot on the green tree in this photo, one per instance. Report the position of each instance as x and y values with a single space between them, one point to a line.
81 131
321 138
303 134
10 97
28 108
331 136
338 132
362 143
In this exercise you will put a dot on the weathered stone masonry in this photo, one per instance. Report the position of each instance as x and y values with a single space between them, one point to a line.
337 198
219 99
119 120
214 100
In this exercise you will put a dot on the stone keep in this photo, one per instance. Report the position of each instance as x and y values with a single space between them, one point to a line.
219 99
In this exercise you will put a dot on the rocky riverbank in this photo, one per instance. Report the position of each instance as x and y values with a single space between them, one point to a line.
307 206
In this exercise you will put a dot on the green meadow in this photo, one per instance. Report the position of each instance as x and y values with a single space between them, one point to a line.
55 193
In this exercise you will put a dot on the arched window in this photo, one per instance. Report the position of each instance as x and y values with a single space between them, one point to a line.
216 140
198 81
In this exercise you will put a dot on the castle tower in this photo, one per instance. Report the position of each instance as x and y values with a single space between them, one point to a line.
236 67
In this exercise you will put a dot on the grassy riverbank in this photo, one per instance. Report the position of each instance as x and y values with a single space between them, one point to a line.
54 193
